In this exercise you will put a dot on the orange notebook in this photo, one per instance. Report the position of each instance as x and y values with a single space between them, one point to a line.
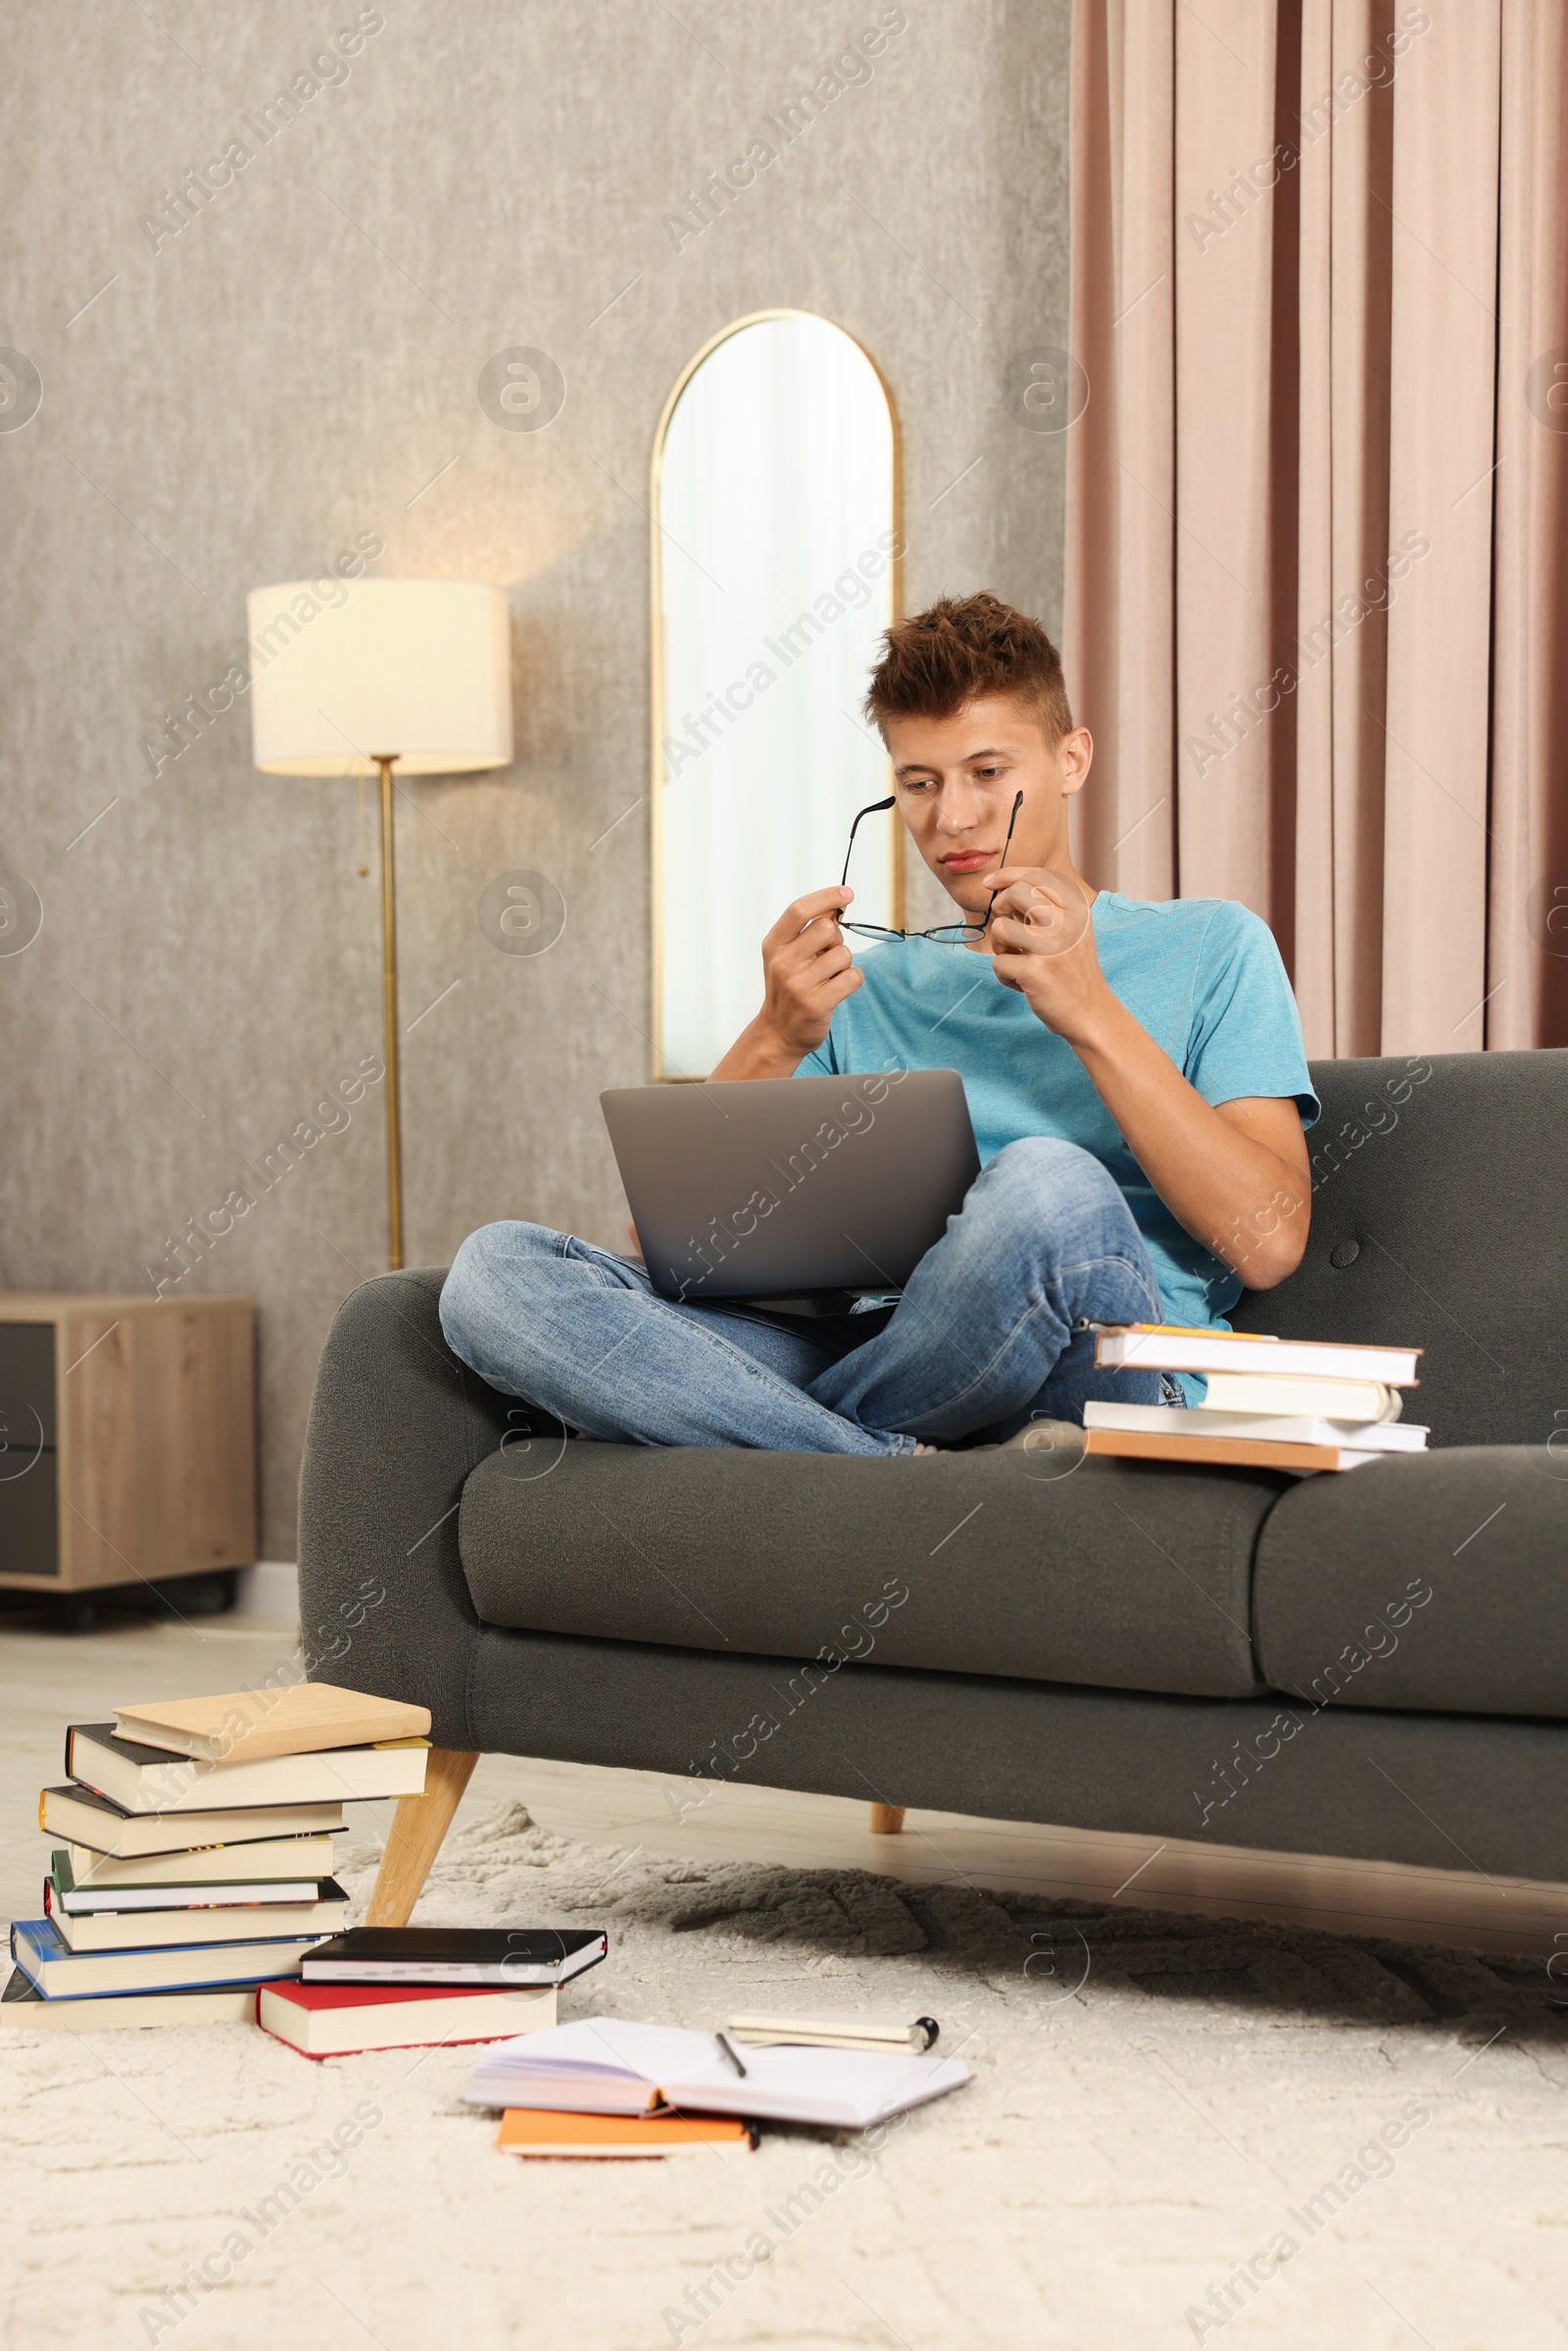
533 2131
1235 1453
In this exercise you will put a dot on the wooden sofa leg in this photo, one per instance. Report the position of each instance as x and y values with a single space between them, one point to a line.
418 1826
886 1820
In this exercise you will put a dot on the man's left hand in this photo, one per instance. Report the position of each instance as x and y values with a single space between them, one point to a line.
1043 941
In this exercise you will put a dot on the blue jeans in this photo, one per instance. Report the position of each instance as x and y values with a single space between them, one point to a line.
982 1341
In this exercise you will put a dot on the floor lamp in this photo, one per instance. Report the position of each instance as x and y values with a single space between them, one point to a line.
357 678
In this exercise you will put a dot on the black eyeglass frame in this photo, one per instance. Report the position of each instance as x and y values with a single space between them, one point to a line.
951 934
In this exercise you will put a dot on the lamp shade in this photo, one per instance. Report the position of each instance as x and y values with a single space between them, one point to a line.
344 671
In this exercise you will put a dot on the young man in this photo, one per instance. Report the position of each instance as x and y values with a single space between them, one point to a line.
1134 1071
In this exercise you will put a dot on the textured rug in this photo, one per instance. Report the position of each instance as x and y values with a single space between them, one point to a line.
1179 2130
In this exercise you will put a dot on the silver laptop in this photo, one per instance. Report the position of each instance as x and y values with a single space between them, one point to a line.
807 1194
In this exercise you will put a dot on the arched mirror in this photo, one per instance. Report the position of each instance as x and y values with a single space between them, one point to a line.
775 549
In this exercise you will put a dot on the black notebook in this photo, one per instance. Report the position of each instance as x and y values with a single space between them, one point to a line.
456 1955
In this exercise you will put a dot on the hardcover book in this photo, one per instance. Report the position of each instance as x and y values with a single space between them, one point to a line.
341 2020
112 1829
62 1974
270 1860
1297 1428
248 1725
501 1955
143 1779
65 1891
1158 1346
163 1929
21 2003
1225 1452
1327 1399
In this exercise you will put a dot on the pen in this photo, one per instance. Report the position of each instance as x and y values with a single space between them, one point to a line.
728 2046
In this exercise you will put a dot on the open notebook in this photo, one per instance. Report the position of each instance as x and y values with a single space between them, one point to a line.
602 2065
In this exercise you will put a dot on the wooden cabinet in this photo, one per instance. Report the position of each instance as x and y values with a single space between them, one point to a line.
127 1439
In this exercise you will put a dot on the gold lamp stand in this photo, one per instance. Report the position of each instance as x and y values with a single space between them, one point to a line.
424 662
384 761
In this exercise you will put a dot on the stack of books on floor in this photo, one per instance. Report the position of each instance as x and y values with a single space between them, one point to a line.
192 1851
421 1987
607 2087
1271 1403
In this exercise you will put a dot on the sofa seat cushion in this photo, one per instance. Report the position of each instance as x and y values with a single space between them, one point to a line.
1436 1581
1128 1574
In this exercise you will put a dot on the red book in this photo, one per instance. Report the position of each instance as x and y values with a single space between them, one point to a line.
341 2020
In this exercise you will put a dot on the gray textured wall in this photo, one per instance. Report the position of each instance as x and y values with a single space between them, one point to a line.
290 370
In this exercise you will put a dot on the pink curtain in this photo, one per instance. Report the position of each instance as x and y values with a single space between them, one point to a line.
1317 519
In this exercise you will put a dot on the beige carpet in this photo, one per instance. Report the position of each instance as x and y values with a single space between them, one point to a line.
1157 2101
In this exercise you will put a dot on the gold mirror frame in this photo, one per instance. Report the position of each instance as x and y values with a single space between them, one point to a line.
656 707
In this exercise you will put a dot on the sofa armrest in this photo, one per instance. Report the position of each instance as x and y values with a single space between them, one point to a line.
397 1423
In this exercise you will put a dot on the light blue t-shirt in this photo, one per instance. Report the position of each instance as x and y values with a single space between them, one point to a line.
1203 975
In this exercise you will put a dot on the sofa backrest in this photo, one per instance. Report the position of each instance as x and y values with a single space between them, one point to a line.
1439 1220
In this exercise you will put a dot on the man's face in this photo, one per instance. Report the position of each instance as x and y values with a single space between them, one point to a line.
958 778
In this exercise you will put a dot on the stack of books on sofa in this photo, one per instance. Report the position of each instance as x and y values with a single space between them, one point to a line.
1271 1403
192 1851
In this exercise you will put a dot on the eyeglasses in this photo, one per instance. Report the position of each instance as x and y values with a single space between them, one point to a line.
946 934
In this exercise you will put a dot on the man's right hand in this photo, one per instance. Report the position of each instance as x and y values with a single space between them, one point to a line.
806 973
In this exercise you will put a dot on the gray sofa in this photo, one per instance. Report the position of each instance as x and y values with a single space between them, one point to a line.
1371 1665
